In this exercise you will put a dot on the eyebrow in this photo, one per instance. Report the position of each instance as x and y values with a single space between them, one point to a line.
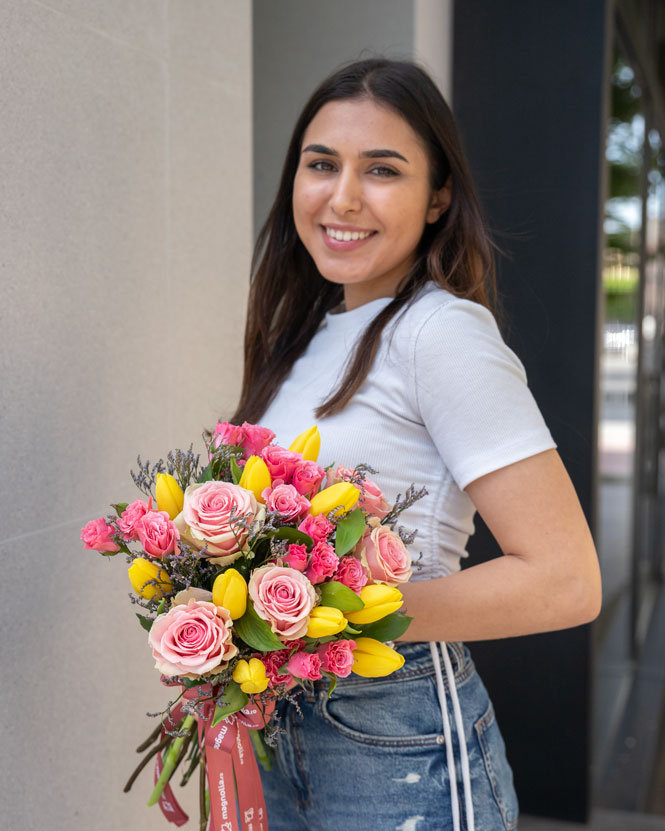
366 154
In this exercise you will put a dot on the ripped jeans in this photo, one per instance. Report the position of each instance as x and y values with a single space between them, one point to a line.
372 757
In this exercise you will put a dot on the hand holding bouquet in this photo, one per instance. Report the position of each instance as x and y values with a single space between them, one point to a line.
258 574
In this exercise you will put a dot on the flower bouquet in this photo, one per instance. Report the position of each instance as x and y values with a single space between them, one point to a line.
256 575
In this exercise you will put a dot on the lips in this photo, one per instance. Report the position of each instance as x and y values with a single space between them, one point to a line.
345 245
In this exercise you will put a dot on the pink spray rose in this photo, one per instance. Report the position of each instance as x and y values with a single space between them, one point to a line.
337 657
323 562
286 499
206 517
281 462
385 555
256 438
157 534
273 661
192 639
305 665
284 597
131 515
317 527
296 556
307 477
97 535
371 498
227 433
352 573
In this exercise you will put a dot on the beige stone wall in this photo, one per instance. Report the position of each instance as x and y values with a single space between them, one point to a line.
125 237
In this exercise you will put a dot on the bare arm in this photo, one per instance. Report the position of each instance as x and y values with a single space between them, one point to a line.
548 578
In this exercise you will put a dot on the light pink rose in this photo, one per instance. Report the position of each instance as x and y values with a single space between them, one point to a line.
287 501
280 462
296 556
206 517
352 573
307 477
305 665
157 534
192 639
385 556
371 499
323 562
97 535
337 657
131 515
256 438
284 597
317 527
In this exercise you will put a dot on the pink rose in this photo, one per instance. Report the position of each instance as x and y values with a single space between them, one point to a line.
284 597
157 534
296 556
287 501
323 562
337 657
97 535
256 438
317 527
307 477
281 462
130 516
305 665
274 661
352 573
192 639
371 499
227 433
218 513
385 555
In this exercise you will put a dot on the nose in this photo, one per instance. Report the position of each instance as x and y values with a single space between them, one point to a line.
346 194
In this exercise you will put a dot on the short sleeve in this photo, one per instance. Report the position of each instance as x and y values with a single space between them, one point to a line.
471 392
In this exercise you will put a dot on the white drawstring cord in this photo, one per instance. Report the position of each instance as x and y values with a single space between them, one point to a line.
459 724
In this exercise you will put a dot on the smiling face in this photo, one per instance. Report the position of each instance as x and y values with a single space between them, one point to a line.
339 186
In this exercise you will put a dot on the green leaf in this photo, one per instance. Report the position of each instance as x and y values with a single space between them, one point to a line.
333 681
349 630
234 699
340 597
349 531
236 471
206 476
293 536
160 608
256 632
119 507
145 622
388 628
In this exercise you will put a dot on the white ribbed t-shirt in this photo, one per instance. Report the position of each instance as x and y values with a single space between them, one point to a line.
445 401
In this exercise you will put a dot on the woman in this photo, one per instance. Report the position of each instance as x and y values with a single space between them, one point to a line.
369 315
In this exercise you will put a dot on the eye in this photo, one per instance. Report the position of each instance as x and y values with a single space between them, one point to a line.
388 171
314 165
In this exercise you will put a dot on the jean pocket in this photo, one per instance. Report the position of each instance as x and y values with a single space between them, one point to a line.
403 713
498 769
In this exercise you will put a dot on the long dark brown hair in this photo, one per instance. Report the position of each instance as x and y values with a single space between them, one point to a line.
288 297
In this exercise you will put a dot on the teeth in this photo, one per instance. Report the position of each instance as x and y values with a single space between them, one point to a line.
345 236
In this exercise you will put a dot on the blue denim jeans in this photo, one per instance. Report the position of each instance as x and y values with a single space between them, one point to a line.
372 757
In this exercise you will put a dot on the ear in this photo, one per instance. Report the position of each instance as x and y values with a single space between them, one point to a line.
440 201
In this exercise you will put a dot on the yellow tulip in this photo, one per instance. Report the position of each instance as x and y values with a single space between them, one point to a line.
230 591
255 477
251 675
380 600
324 621
169 495
308 443
373 659
342 495
141 571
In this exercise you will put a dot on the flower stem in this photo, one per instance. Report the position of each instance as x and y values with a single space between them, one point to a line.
260 749
170 760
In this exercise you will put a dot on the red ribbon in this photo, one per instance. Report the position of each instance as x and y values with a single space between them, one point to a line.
229 756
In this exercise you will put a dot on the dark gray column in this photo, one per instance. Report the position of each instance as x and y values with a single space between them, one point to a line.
529 97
